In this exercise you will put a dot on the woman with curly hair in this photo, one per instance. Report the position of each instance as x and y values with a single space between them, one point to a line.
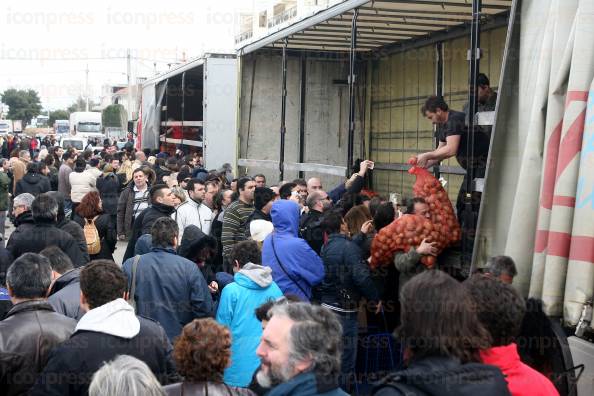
201 354
90 211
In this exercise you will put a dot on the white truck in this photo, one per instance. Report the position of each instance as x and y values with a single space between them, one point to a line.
86 123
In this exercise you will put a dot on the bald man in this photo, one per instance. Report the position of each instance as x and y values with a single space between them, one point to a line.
314 184
352 185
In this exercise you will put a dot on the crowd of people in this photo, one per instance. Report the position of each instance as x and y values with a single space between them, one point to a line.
230 286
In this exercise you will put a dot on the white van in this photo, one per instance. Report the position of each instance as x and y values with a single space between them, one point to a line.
79 144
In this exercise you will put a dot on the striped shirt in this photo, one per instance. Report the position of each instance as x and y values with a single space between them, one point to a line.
234 220
140 202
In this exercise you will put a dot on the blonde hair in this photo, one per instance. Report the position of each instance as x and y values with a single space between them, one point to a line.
179 193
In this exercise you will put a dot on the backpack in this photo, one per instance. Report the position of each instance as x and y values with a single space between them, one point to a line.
92 236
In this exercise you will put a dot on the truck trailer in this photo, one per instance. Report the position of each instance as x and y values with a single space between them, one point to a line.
349 81
193 108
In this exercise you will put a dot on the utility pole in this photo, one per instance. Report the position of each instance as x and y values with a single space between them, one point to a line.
87 88
129 73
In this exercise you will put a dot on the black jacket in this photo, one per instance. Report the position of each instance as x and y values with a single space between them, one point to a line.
107 233
5 261
256 215
347 276
32 183
71 366
29 332
76 232
160 172
193 241
109 190
41 235
24 218
64 295
442 376
144 222
311 231
53 178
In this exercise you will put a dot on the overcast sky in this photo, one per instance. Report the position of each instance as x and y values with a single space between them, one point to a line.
46 45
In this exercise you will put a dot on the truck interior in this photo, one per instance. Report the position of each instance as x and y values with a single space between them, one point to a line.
181 110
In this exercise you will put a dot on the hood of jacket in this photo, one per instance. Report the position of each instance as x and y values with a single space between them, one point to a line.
505 357
193 241
116 318
144 244
285 217
32 178
67 278
24 218
254 276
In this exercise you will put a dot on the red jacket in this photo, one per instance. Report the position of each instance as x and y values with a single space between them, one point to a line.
522 379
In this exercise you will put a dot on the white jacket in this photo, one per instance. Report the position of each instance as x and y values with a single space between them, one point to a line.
81 184
190 212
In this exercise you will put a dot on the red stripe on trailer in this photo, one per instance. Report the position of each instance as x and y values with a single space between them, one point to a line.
550 168
561 152
576 96
571 144
562 244
559 200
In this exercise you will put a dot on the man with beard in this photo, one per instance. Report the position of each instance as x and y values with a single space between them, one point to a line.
300 351
318 202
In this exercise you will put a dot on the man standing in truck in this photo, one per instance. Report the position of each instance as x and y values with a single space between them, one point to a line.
453 136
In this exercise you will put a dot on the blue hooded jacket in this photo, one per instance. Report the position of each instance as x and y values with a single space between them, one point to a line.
253 287
301 267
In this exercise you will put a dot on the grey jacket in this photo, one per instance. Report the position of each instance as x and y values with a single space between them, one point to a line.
65 295
408 264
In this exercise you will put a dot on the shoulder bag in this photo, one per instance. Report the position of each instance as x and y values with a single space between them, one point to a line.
131 299
282 267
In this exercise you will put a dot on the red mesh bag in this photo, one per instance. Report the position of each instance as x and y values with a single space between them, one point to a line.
440 207
410 230
400 235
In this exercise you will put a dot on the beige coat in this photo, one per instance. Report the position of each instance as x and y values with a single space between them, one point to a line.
81 184
19 168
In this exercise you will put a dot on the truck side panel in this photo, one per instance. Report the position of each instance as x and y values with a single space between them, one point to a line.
220 96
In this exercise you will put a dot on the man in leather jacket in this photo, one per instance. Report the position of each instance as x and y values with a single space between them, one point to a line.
31 328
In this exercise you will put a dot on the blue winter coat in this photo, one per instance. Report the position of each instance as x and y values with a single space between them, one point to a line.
253 287
303 266
169 289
